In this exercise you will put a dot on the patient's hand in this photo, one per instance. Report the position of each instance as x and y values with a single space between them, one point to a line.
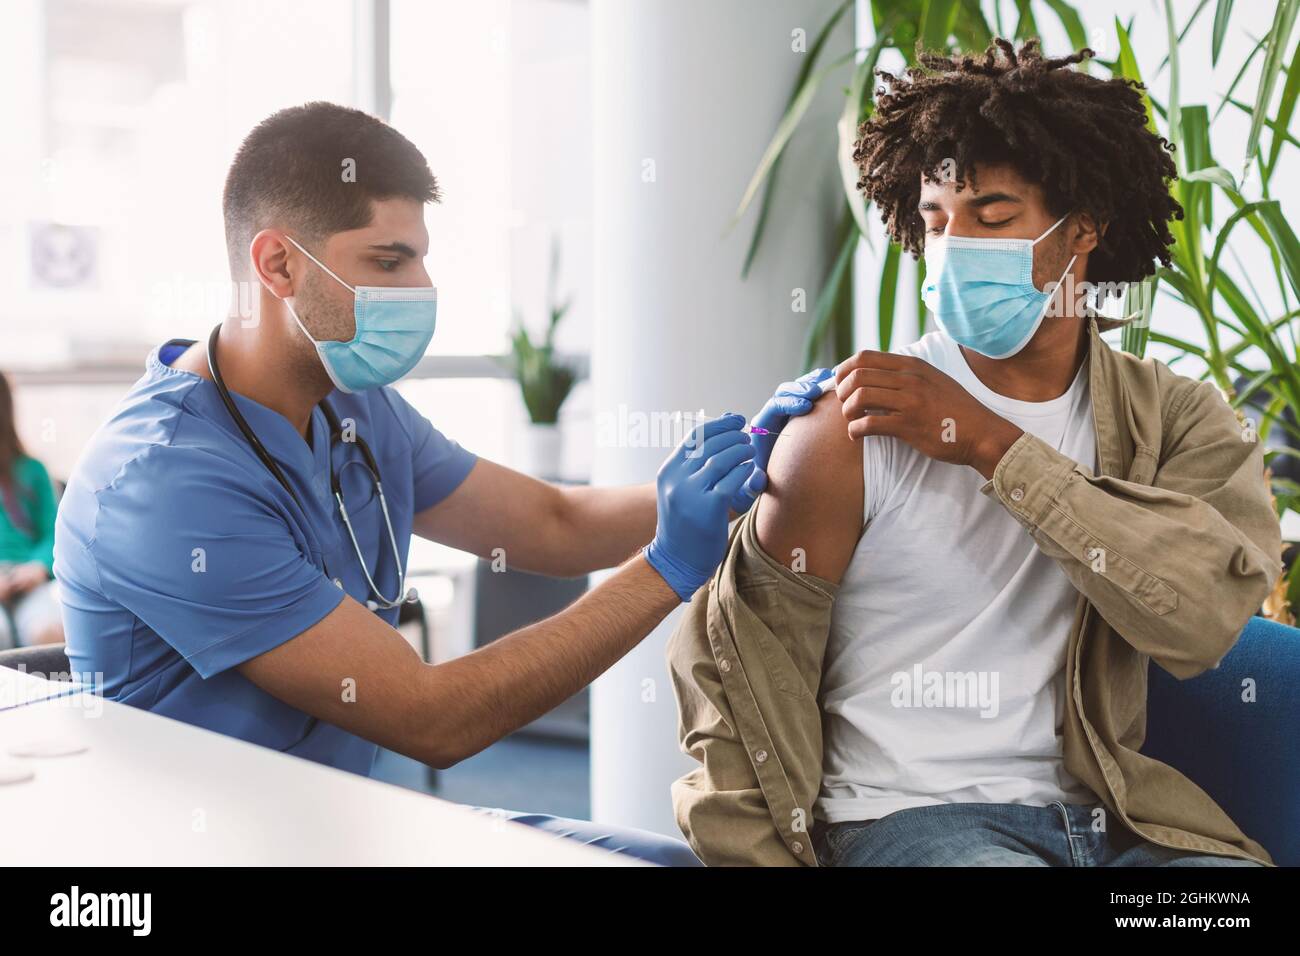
810 517
907 397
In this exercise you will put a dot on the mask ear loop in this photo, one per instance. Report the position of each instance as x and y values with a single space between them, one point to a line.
1034 243
302 328
330 272
1057 285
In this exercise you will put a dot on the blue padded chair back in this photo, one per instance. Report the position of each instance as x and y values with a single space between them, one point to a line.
1244 755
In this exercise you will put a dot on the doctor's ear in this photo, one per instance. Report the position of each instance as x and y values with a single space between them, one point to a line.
272 264
1086 234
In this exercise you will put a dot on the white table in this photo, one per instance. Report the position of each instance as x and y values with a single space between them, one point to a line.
151 791
18 688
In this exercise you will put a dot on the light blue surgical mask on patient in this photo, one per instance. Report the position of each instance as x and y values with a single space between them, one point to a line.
394 326
982 291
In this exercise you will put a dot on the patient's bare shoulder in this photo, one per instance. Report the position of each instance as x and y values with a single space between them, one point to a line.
813 500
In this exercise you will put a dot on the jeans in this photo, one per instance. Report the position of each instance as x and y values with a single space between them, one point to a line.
998 834
641 844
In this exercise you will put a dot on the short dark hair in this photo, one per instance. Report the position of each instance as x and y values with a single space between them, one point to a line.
291 169
1083 139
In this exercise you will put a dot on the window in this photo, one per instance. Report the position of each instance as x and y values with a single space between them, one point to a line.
130 113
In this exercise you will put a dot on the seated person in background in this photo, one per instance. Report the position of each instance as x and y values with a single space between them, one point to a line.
944 617
29 604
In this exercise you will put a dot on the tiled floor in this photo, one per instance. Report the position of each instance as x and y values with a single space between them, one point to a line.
521 772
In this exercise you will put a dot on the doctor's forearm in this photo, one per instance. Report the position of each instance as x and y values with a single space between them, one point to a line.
514 680
600 527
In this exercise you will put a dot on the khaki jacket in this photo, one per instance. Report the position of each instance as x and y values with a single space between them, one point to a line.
1191 546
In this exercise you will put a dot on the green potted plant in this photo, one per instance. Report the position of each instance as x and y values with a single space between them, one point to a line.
545 381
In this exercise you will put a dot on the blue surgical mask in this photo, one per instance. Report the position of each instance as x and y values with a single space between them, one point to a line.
982 291
394 326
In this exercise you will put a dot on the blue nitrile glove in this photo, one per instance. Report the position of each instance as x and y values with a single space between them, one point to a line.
695 484
791 400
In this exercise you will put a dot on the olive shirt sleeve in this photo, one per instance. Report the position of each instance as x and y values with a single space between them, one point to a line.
720 805
746 664
1176 561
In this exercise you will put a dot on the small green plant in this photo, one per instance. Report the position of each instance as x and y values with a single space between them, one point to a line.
544 380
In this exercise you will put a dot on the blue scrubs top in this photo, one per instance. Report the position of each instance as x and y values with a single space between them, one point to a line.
179 555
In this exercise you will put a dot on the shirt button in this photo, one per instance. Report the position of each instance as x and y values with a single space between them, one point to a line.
797 846
724 665
338 583
1017 494
761 756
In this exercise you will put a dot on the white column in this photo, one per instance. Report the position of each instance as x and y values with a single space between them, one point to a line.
686 97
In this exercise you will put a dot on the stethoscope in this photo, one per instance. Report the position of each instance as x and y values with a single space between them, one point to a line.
336 433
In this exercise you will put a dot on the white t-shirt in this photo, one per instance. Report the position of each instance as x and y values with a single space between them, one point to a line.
944 679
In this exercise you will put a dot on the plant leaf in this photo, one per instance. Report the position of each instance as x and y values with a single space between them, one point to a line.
922 313
1181 344
1267 122
1284 239
1128 69
971 28
784 130
1174 106
1259 45
1182 34
1071 21
1214 174
1285 108
1228 225
769 189
1025 25
1221 14
1274 50
832 289
1197 204
857 106
936 24
1140 298
888 295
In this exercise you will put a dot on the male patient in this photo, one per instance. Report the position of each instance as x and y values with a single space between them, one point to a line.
929 643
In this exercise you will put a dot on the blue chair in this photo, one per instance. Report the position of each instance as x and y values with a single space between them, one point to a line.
1245 756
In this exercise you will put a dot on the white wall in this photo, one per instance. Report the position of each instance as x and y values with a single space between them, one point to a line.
687 95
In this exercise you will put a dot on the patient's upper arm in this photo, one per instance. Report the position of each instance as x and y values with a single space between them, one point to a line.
813 500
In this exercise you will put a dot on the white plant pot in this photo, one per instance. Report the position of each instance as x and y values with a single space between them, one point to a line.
541 450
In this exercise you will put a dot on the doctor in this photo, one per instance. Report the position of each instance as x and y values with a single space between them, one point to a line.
231 547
